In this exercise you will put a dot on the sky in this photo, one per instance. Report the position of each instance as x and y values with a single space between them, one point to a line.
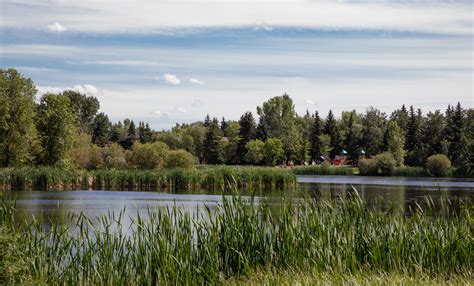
174 61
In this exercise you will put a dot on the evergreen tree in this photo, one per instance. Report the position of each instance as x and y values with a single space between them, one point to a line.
212 144
207 121
458 144
352 140
132 131
315 138
400 116
18 136
144 132
224 126
101 129
56 126
247 132
413 145
332 130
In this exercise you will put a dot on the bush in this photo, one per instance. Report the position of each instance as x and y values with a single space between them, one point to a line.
148 156
179 159
438 165
368 167
113 157
385 163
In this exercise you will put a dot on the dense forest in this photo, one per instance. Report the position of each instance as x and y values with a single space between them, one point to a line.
67 130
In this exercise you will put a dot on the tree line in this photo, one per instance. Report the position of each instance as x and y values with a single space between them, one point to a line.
67 126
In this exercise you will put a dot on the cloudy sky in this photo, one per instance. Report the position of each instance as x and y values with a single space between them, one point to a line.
168 61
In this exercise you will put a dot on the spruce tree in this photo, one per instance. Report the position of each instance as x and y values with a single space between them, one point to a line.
212 143
413 138
315 140
458 144
132 132
332 130
247 132
352 141
101 128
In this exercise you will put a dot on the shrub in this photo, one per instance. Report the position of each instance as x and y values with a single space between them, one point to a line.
84 154
113 156
148 156
368 167
438 165
385 163
179 159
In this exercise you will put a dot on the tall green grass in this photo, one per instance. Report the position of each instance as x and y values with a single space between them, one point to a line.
219 177
325 170
240 238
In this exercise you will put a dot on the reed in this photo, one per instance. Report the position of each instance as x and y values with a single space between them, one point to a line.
215 178
325 170
240 238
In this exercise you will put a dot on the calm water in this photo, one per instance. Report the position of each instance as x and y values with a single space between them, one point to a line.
403 192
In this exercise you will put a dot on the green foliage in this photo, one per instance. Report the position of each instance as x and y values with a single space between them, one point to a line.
373 122
179 159
278 120
101 129
14 264
438 165
85 108
325 141
247 132
212 148
332 130
407 171
385 163
368 167
413 144
84 154
273 152
325 169
315 140
56 128
148 156
17 114
353 138
113 157
240 237
396 142
254 154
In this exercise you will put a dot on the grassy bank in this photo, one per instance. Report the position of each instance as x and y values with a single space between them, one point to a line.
243 242
219 177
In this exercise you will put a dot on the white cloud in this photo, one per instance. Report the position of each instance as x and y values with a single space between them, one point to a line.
178 109
158 112
154 16
56 27
87 89
309 101
171 78
196 81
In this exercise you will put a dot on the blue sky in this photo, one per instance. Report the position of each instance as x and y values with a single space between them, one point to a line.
174 61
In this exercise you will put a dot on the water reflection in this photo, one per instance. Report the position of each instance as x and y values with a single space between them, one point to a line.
403 193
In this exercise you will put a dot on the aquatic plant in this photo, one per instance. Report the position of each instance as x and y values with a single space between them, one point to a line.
240 238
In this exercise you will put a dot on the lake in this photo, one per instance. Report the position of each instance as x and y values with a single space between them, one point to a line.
400 191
